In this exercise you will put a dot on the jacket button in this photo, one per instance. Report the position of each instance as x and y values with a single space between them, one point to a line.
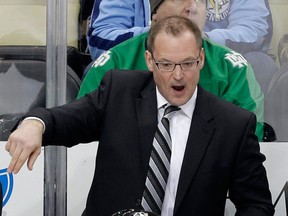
138 202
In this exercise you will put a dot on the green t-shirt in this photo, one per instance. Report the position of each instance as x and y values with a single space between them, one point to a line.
226 73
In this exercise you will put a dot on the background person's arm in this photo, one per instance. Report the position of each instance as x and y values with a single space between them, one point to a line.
243 28
113 22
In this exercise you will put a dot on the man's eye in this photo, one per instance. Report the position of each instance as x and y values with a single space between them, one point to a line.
187 64
166 65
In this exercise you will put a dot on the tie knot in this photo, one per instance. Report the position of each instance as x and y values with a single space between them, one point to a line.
170 109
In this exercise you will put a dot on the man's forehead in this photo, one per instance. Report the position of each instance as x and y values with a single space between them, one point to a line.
164 42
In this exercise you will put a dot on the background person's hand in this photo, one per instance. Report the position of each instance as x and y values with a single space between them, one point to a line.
25 144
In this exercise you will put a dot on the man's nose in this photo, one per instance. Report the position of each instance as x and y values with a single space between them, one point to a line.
178 73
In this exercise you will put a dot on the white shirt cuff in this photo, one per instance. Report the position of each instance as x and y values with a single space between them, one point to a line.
37 119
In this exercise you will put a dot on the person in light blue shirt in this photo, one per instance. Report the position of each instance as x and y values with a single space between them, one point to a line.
242 25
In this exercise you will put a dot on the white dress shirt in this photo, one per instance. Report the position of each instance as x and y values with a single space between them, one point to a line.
180 123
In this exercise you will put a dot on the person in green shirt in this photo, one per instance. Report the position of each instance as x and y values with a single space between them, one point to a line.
225 73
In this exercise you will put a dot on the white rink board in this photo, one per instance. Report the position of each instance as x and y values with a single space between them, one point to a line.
81 164
27 195
81 161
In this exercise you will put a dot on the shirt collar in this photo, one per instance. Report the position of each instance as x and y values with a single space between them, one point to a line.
187 108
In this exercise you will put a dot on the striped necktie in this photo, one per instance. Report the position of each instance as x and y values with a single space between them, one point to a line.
159 165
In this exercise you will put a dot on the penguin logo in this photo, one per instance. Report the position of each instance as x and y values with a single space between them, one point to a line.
218 9
6 180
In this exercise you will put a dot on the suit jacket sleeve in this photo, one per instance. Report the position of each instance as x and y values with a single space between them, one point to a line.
250 190
83 120
76 122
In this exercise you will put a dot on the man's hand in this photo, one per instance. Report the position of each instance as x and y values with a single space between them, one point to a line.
25 144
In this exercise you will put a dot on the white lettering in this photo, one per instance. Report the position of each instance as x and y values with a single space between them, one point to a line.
102 59
236 59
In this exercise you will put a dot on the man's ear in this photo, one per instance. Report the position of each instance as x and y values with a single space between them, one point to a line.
154 18
202 58
149 60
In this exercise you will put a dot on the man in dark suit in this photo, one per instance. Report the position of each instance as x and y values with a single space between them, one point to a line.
214 147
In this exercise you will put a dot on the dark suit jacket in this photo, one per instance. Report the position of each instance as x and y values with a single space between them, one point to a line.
222 152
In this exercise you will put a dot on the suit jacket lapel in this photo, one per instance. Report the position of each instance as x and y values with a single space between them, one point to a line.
200 133
147 119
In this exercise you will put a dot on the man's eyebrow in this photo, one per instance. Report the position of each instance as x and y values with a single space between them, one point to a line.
190 58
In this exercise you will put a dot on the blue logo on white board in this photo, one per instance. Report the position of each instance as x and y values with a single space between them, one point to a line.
6 180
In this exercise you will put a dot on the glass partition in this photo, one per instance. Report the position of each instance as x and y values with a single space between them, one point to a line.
276 101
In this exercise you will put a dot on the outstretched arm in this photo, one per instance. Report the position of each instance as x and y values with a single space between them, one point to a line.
25 144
